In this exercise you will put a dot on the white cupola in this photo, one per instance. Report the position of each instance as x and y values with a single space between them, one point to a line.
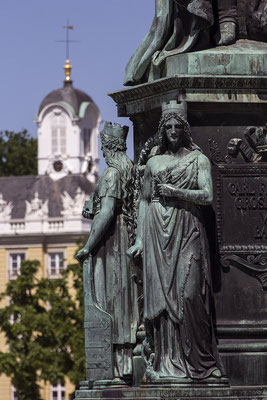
68 127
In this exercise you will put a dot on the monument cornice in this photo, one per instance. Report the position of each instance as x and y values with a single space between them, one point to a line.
184 82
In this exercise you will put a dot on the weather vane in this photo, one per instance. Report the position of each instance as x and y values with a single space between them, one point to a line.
67 66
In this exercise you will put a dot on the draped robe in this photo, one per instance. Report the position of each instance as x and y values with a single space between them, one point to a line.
177 283
115 290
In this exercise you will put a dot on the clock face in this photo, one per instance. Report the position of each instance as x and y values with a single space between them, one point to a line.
58 166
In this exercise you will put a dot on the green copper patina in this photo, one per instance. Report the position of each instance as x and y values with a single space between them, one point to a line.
111 271
180 342
172 184
181 26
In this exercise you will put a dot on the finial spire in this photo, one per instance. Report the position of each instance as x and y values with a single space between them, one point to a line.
67 68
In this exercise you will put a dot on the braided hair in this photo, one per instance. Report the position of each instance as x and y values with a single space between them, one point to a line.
118 159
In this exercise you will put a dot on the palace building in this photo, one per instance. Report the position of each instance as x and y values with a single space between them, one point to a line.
40 216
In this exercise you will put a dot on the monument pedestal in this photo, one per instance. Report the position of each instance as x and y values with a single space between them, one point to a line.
244 58
226 92
174 393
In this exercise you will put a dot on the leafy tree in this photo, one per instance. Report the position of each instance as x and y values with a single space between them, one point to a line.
18 153
76 372
43 326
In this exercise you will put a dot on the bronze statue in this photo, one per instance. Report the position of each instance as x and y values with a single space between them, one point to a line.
176 270
181 26
109 239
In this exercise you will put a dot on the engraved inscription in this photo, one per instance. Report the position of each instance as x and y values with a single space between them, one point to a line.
98 332
247 197
261 232
243 205
241 213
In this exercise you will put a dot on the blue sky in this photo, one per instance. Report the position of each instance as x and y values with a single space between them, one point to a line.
32 61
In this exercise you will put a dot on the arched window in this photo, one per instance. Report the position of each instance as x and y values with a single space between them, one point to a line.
58 134
86 140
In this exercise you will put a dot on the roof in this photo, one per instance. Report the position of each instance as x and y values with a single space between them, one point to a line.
18 189
67 94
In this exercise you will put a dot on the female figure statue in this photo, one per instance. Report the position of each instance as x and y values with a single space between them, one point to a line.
176 270
108 242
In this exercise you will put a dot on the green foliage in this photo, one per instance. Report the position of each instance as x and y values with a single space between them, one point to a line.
46 339
76 372
18 153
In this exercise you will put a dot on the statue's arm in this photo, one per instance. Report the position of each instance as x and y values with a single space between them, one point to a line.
203 195
137 248
100 225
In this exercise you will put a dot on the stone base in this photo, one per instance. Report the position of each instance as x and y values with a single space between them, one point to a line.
245 57
174 393
186 382
103 384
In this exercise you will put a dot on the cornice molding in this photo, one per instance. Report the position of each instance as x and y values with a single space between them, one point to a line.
182 82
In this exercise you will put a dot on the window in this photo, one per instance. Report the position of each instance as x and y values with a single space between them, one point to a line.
57 392
14 319
58 133
55 263
86 140
15 260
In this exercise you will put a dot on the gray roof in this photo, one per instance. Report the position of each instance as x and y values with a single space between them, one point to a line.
74 97
18 189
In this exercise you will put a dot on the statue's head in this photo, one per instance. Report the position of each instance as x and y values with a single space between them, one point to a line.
173 113
170 123
113 139
173 125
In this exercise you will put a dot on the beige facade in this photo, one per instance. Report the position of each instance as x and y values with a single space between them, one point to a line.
41 253
40 216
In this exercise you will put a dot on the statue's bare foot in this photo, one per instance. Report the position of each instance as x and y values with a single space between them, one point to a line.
227 34
216 373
